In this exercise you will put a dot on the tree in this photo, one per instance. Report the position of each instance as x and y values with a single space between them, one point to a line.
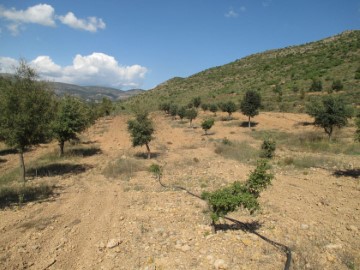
207 124
228 107
329 112
213 108
181 112
191 114
250 104
173 110
105 107
316 86
26 110
71 117
141 130
196 102
165 107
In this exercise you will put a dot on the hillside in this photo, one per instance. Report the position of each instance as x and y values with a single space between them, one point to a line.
90 93
291 68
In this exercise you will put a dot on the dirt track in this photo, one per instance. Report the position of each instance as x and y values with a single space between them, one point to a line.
316 214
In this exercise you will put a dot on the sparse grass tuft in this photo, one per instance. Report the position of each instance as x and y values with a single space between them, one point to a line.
125 168
240 151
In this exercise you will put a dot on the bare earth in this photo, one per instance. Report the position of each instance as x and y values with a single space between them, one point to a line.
94 222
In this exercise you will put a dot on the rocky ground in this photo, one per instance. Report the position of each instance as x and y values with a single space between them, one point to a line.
131 222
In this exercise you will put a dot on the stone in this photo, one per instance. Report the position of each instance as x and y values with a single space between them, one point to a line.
220 264
113 243
304 226
352 228
333 246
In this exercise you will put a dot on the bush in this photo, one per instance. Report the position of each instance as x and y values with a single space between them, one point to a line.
238 194
268 148
207 124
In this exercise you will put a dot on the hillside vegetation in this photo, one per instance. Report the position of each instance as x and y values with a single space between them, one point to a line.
283 76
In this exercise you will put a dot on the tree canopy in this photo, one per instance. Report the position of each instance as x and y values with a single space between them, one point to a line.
329 112
250 104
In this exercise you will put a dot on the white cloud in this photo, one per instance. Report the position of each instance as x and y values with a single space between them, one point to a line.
95 69
44 14
232 13
92 24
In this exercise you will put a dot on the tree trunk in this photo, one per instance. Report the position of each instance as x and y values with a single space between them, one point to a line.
22 166
249 122
61 145
148 151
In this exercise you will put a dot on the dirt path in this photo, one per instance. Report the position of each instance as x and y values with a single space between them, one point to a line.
98 223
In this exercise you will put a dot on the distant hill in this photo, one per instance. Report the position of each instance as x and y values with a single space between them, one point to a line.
90 93
289 71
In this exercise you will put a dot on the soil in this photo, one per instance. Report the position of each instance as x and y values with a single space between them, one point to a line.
131 222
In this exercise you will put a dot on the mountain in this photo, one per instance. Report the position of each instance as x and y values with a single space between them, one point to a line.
282 76
93 92
90 93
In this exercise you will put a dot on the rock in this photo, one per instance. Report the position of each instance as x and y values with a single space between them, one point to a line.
352 228
333 246
304 226
330 258
220 264
113 243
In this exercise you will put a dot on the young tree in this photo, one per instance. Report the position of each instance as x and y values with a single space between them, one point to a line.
141 130
207 124
191 114
228 107
196 102
204 107
26 110
165 107
105 107
250 104
213 108
330 112
181 112
71 117
173 110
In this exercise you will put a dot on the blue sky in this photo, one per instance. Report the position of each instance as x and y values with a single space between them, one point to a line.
141 43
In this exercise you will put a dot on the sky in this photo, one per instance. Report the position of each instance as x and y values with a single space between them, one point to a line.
129 44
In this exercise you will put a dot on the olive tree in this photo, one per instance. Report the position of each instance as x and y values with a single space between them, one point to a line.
141 129
250 104
207 124
71 118
228 107
329 112
191 114
26 111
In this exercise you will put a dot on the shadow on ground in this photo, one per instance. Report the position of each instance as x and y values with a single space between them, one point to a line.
57 169
354 173
85 152
245 124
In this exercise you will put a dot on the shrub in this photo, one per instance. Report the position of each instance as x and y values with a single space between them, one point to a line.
207 124
268 148
228 199
337 85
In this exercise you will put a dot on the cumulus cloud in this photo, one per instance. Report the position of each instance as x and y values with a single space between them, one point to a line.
94 69
91 24
44 14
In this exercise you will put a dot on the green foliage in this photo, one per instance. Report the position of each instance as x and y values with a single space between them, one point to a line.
330 112
207 124
228 107
71 118
105 107
337 85
181 112
26 110
196 101
250 104
173 110
164 107
191 114
268 148
141 130
316 86
204 107
213 108
357 74
357 132
228 199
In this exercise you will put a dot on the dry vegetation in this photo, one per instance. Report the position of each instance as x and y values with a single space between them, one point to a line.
100 208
